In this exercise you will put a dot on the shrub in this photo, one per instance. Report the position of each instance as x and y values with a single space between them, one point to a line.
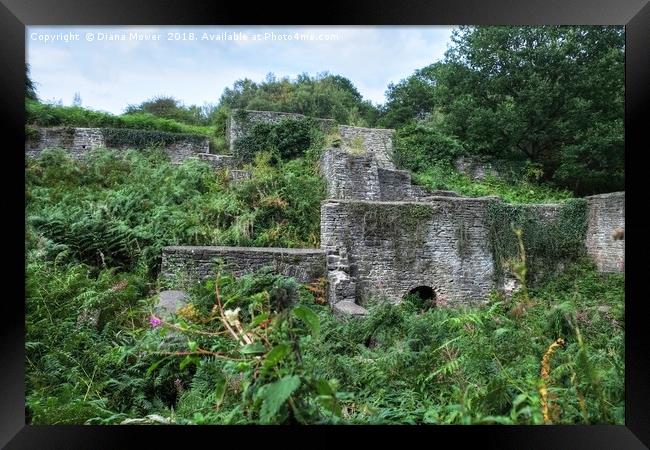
418 147
289 138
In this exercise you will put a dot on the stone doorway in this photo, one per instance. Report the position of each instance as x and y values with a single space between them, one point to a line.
423 296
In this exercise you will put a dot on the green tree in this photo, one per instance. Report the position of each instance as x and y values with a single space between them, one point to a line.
410 99
553 95
325 95
172 108
540 93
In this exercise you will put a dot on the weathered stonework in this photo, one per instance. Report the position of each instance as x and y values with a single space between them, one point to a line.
199 263
350 176
606 231
79 141
218 162
375 141
359 176
383 236
394 247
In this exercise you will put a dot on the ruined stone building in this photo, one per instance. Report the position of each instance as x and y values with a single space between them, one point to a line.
381 235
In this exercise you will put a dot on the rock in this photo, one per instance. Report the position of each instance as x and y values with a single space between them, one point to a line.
169 302
151 419
603 309
349 308
89 317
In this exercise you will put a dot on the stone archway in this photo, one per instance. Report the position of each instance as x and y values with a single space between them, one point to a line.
423 295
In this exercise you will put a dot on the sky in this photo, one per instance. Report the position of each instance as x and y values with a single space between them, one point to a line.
113 67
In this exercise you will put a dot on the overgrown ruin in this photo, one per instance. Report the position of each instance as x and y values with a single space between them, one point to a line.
380 234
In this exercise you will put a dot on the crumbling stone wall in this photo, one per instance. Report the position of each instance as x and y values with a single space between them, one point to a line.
359 176
198 263
392 247
606 231
350 176
395 185
78 141
383 236
376 141
240 120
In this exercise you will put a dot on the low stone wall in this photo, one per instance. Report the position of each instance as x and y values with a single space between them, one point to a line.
78 141
218 162
240 120
378 141
391 248
606 231
198 263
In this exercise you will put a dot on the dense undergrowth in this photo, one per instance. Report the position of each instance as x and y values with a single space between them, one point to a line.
282 362
520 190
118 212
263 349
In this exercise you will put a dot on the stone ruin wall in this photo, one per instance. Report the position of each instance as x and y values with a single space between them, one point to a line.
241 119
198 264
350 176
375 141
393 247
79 141
369 141
359 176
383 236
606 231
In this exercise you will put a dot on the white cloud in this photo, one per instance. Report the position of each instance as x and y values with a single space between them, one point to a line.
111 75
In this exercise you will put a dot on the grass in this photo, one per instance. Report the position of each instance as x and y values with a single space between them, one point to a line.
512 191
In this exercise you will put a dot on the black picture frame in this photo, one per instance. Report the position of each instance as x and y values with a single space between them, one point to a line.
15 15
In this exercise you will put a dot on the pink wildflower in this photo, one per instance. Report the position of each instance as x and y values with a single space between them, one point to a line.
155 321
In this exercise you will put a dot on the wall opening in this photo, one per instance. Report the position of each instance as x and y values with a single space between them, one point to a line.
422 296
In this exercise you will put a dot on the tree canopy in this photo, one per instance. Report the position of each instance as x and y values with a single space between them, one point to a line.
325 95
553 95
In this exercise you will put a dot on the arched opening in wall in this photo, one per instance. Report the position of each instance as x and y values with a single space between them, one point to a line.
424 297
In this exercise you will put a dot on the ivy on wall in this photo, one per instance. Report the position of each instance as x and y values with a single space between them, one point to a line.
547 242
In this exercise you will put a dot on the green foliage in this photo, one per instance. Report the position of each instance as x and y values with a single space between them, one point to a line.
412 99
288 139
30 88
324 96
400 365
135 138
551 94
418 147
171 108
547 242
119 212
47 115
513 189
480 366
